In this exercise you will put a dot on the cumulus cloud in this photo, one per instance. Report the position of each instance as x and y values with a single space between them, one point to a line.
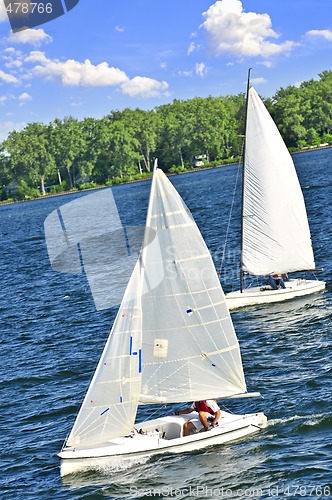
144 87
72 73
320 33
36 56
6 77
31 37
24 97
15 63
258 81
232 31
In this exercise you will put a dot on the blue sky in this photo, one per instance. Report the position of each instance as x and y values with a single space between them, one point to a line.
109 54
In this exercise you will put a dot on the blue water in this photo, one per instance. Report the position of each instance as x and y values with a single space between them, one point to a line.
52 338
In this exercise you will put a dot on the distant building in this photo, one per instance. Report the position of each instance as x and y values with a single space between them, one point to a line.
200 160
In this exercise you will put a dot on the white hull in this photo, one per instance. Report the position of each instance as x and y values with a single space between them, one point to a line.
162 435
265 295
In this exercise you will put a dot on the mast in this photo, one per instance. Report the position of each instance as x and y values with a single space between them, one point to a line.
243 178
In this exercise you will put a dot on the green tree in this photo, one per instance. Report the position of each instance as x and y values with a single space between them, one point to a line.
30 155
124 149
115 147
288 115
67 144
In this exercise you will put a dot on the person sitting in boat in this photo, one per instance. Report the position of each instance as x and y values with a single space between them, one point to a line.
208 415
276 281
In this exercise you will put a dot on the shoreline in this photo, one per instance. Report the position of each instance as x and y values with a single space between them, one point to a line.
196 169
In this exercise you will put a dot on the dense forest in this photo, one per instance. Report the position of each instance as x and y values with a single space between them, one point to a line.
69 154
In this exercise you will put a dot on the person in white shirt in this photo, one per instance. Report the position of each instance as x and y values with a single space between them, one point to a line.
205 416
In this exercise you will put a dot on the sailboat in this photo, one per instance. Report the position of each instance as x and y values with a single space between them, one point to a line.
172 341
275 234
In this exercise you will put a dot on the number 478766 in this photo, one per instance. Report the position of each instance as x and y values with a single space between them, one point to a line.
29 8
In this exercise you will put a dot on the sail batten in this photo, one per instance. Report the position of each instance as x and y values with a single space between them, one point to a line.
276 235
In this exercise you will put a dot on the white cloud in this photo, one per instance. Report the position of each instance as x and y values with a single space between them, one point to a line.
15 63
72 73
200 69
6 77
144 87
267 64
320 33
258 81
37 56
24 97
119 29
75 74
76 104
3 99
191 48
13 58
30 36
186 73
233 31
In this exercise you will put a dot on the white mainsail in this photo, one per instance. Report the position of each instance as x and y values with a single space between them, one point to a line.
190 350
276 235
173 339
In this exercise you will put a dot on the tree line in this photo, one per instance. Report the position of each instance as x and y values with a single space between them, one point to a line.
69 153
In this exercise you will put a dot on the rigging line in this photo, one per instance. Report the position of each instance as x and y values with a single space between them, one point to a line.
153 413
229 220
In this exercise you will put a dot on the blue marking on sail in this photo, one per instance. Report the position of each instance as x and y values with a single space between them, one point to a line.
107 409
140 361
130 345
121 399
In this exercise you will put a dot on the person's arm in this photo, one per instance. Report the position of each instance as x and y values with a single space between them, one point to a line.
216 418
187 410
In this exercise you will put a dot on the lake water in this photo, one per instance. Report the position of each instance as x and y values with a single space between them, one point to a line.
52 338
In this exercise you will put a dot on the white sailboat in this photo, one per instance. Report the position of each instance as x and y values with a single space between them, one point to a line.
171 342
275 235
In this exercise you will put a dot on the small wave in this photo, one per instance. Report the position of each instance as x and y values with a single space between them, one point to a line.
316 422
286 420
304 423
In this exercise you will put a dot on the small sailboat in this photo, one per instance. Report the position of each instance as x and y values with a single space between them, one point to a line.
275 234
172 341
